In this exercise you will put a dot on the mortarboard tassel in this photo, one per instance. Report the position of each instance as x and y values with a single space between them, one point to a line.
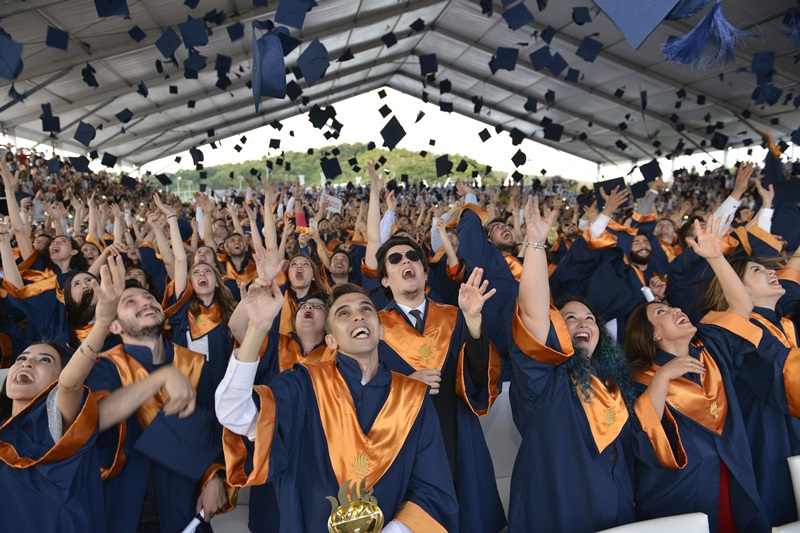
710 43
790 27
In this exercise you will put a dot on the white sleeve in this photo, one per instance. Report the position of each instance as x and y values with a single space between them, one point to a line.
470 198
54 419
599 225
386 226
201 217
234 403
727 210
396 527
765 219
436 239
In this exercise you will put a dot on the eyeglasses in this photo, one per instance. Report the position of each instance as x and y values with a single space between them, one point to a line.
312 305
493 227
397 257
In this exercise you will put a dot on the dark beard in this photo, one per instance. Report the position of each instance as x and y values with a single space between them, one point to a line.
506 248
638 260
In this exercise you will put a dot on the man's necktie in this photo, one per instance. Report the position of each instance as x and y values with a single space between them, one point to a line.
417 314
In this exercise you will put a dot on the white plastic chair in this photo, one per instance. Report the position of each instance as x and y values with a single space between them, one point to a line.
793 527
503 440
685 523
794 471
3 375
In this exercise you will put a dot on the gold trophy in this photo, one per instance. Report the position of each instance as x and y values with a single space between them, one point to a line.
356 511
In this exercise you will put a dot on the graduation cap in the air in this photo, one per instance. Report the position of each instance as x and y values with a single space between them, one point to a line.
477 102
137 34
550 96
519 158
589 49
719 141
127 181
392 133
168 43
268 65
142 89
417 26
553 132
163 179
330 167
124 116
484 135
109 160
57 38
389 39
385 111
80 164
518 16
313 62
531 104
347 55
10 56
428 64
541 58
516 136
639 189
87 73
111 8
49 122
443 166
581 16
194 33
85 133
275 143
293 12
235 31
504 59
197 155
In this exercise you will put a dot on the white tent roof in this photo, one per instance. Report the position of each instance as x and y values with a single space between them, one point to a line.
463 39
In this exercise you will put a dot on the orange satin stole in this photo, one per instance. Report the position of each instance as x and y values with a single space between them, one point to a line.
421 350
791 368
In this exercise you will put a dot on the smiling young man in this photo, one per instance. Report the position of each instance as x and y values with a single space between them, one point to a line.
334 424
444 347
159 469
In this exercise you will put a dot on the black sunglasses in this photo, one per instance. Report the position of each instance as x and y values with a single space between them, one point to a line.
397 257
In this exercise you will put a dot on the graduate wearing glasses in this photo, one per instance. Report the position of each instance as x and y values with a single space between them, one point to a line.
444 347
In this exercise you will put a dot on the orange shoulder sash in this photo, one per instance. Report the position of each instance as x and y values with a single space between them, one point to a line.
421 350
353 455
706 405
791 368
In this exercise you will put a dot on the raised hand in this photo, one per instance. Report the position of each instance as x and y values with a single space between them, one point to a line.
767 195
166 209
391 202
658 287
708 241
590 212
463 189
266 268
375 181
617 197
537 227
109 290
683 364
742 180
262 302
473 294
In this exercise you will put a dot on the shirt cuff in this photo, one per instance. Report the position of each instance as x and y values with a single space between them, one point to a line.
234 403
470 198
599 225
765 219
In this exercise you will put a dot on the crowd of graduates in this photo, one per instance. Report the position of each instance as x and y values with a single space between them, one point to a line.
162 353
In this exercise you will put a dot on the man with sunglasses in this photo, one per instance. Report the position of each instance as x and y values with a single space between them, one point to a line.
444 347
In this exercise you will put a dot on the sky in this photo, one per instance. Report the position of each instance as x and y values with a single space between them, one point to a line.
454 134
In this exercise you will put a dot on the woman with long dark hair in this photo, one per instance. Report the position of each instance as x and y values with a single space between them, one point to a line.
767 377
685 377
572 401
49 469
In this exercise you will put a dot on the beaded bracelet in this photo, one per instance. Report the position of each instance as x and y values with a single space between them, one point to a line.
96 357
534 245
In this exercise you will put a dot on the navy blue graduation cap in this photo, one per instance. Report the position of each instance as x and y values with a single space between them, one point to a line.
484 135
268 66
446 107
124 116
313 62
163 179
168 43
541 58
519 158
581 16
49 122
87 73
719 141
573 75
235 31
796 137
385 111
417 26
80 164
111 8
330 167
557 64
389 39
85 133
531 105
428 64
195 62
293 12
191 4
589 49
651 171
109 160
608 186
518 16
57 38
53 165
636 19
160 67
371 145
516 136
547 34
443 166
142 89
347 55
10 56
550 96
127 181
194 33
462 166
639 189
183 445
477 102
392 133
93 155
505 59
553 132
197 155
293 90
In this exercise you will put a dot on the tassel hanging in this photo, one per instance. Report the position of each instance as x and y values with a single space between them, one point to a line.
710 43
790 27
